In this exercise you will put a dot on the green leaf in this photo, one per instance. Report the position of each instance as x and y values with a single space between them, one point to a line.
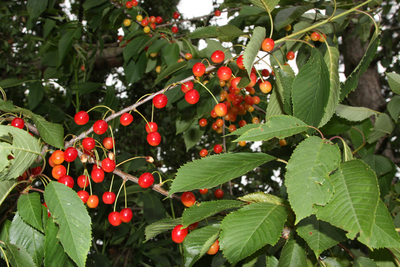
137 45
65 43
156 46
288 15
54 251
307 175
135 69
228 32
275 106
334 262
6 187
71 215
364 262
193 134
24 235
310 91
280 126
244 129
170 54
267 5
36 93
284 81
30 210
352 80
52 133
293 253
394 82
153 208
378 163
204 32
354 113
5 232
332 61
355 199
6 83
259 197
198 242
24 147
253 47
347 155
206 209
170 70
92 3
216 169
36 7
159 227
87 87
319 235
240 236
384 257
383 230
383 126
18 256
394 107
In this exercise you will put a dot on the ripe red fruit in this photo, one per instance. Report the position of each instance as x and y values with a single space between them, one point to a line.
213 114
93 201
265 72
214 248
265 87
154 138
217 148
253 80
174 29
83 195
151 127
315 36
178 234
57 157
108 197
256 99
82 68
134 2
100 127
160 101
58 171
192 96
224 73
126 215
268 44
242 123
188 56
249 100
193 226
203 191
128 5
159 19
176 15
146 180
204 152
217 13
36 170
221 109
70 154
187 86
108 165
126 119
67 180
235 82
114 218
97 175
239 62
198 69
219 193
108 143
152 19
88 143
290 55
18 122
81 118
218 56
188 199
202 122
82 181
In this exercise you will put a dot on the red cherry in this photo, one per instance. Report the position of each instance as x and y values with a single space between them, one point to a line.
58 171
97 175
219 193
315 36
203 191
249 100
146 180
48 212
253 80
81 118
217 13
57 157
290 55
154 138
144 22
217 149
82 68
265 72
70 154
126 119
100 127
151 127
204 152
218 56
188 199
224 73
152 19
178 234
128 5
120 37
159 19
88 143
203 122
114 218
176 15
93 201
82 181
214 248
187 86
126 215
36 170
192 96
18 122
242 123
235 82
220 109
108 165
108 197
265 87
193 226
67 180
84 196
239 62
108 143
188 56
199 69
174 29
134 2
160 101
268 44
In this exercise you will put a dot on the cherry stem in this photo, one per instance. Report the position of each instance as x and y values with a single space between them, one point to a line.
5 256
159 174
208 91
119 191
315 128
113 142
4 97
147 122
283 161
126 201
125 161
36 189
112 181
100 106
